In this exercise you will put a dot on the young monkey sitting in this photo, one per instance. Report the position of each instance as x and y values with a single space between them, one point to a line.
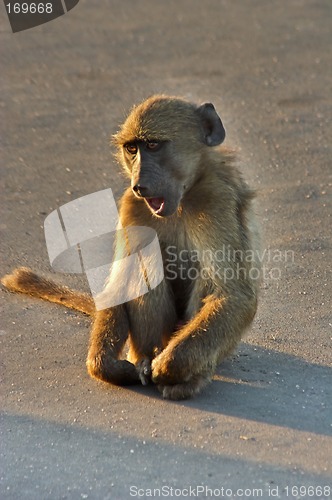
188 190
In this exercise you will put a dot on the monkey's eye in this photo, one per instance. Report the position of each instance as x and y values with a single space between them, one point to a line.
153 145
131 148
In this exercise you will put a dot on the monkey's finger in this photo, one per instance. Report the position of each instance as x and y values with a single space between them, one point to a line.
144 371
144 380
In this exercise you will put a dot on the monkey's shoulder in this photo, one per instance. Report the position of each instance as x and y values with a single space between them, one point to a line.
220 190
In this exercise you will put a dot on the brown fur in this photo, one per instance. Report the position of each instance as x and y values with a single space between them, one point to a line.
179 331
25 281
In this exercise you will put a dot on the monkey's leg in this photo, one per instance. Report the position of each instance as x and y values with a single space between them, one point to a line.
152 319
189 361
23 280
108 336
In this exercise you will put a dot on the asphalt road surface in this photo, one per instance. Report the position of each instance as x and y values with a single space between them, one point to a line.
262 429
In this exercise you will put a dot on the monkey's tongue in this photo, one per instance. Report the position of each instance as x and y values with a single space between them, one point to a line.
157 204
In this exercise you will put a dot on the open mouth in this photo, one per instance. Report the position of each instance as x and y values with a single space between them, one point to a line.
156 204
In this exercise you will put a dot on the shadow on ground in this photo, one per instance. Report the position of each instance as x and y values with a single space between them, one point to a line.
101 464
270 387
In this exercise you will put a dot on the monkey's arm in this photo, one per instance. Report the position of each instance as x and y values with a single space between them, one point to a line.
23 280
189 361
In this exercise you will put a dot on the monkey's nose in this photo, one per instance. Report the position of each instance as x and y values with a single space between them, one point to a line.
140 190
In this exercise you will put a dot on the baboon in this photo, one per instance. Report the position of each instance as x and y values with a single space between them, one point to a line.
190 192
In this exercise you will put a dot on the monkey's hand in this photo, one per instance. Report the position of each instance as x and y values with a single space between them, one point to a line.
143 368
166 368
176 383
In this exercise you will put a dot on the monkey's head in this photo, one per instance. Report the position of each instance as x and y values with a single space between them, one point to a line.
160 146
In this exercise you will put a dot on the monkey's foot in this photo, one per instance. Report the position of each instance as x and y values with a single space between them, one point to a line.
186 390
114 371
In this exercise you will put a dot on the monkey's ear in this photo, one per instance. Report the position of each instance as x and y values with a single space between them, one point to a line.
213 129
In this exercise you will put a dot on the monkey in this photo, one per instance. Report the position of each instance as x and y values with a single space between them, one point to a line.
184 184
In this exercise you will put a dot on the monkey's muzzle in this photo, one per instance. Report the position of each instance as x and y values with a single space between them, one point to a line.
156 204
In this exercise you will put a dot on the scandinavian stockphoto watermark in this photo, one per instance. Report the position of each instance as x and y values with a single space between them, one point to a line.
226 263
122 264
24 15
86 236
204 491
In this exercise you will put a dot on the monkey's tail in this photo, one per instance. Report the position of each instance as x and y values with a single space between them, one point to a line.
24 280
